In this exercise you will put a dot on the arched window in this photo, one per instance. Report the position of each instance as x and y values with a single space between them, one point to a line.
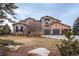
46 22
21 29
16 28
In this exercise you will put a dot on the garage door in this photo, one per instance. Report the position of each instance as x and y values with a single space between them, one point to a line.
56 31
47 32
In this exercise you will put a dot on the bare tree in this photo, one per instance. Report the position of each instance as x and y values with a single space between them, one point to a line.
35 29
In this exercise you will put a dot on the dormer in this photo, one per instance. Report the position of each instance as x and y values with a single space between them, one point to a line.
51 19
47 20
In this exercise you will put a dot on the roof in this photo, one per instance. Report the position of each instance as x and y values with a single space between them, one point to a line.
22 20
40 19
30 18
19 23
37 20
51 18
61 24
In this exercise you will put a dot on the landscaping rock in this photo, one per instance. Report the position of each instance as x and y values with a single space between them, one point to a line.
39 52
12 47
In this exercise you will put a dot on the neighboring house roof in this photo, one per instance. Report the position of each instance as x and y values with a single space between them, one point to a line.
61 24
50 17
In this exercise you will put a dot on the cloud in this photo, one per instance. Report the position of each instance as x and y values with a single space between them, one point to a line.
70 16
63 11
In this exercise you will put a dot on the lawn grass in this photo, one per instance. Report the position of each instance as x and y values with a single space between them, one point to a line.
34 41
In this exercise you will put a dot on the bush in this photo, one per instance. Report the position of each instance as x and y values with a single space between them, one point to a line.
5 30
8 42
69 46
4 46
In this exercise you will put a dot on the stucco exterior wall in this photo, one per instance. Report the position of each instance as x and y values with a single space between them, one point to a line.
43 23
53 24
59 26
50 21
25 29
30 22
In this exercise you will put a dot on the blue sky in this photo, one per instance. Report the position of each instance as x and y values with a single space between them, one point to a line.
65 12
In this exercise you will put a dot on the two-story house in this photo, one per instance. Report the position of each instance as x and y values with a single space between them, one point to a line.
47 25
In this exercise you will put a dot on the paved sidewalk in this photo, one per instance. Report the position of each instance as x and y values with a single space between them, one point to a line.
58 36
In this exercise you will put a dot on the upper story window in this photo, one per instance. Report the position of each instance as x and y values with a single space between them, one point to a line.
46 22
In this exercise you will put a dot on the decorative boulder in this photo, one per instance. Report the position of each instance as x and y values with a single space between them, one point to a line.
39 52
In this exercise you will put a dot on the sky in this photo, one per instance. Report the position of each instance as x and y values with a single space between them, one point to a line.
66 12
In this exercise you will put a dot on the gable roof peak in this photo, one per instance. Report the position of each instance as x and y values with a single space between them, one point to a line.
30 18
51 18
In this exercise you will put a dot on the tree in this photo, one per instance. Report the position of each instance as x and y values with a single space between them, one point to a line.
69 46
5 30
7 8
35 29
76 26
